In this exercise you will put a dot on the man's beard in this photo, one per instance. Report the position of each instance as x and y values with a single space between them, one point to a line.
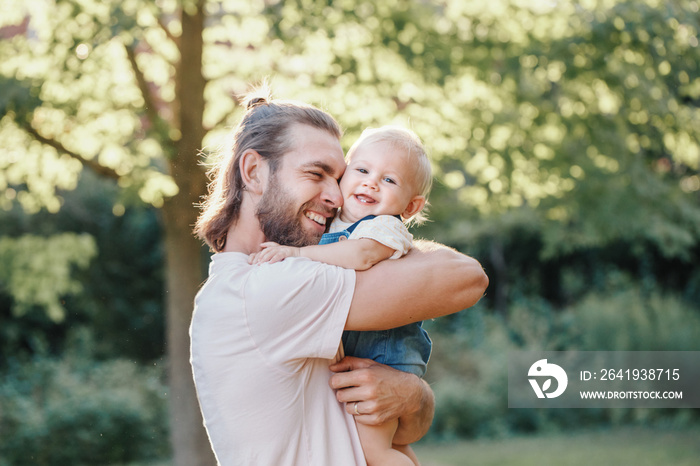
278 219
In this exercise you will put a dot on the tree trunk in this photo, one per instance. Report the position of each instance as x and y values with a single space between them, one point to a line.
183 252
500 269
183 277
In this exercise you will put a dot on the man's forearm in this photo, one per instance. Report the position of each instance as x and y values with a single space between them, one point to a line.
430 281
412 427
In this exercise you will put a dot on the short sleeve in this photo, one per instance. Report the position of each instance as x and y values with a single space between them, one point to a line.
388 230
297 308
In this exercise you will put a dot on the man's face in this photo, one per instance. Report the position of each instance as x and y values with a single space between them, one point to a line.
303 195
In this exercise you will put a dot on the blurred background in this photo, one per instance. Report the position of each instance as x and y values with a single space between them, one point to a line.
565 141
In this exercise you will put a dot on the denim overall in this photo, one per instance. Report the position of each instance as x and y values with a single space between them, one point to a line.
405 348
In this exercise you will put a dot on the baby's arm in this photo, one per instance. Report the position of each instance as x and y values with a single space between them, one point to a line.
358 254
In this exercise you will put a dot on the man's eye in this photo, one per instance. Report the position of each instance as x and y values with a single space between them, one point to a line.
316 174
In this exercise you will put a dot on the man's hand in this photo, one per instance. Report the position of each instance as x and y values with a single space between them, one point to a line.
272 252
382 394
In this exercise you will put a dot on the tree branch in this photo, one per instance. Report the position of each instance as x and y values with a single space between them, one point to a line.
167 32
151 109
92 164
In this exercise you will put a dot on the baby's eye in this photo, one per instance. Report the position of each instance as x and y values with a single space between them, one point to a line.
389 180
362 170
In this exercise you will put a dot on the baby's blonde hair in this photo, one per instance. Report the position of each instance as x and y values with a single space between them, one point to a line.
408 141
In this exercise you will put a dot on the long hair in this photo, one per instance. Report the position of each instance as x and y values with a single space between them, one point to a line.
265 128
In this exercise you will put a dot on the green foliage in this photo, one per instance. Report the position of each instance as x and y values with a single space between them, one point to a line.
16 96
621 317
469 370
576 111
119 298
74 411
570 114
68 83
649 322
573 123
37 271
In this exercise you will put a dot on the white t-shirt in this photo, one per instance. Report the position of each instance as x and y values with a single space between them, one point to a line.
385 229
261 340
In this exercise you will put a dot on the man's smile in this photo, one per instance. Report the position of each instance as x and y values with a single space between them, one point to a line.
320 219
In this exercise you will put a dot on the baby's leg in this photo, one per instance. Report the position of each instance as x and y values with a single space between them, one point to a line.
377 444
408 451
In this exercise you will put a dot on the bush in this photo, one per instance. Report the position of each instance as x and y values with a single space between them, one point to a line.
469 378
468 368
630 320
78 412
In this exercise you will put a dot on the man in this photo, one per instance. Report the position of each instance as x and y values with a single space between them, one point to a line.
263 336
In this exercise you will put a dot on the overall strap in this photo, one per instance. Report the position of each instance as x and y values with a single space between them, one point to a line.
369 217
354 225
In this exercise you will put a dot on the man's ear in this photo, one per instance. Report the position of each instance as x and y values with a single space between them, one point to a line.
254 171
415 206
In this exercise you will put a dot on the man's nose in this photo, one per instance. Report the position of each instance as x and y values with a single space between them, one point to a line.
332 196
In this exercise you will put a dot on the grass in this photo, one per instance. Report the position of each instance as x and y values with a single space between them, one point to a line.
642 446
628 446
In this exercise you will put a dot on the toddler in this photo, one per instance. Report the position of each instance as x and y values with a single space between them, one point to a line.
384 187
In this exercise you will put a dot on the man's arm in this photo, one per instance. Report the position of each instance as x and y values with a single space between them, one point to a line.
383 393
413 426
430 281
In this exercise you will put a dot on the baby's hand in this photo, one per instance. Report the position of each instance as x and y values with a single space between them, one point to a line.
272 252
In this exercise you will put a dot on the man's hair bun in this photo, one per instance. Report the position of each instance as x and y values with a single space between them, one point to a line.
255 101
259 95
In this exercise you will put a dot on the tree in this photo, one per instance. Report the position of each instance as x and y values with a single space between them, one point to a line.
92 84
134 90
580 127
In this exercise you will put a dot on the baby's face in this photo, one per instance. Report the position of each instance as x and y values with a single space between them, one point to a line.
379 180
